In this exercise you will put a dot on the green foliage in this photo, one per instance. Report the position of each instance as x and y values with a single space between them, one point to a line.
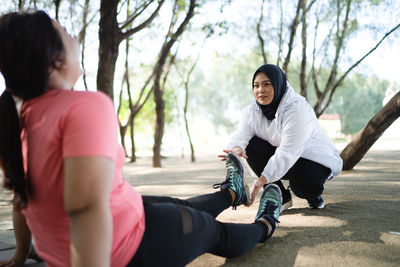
357 101
223 89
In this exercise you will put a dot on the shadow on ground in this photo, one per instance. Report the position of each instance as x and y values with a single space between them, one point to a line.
349 233
360 225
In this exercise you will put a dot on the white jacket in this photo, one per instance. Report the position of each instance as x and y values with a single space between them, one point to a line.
295 132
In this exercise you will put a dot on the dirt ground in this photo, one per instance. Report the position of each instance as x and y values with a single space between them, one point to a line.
360 225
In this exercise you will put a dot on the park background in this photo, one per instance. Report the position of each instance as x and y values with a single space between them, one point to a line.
183 73
183 69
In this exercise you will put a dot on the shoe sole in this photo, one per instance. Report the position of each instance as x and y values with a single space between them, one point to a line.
246 187
287 205
317 208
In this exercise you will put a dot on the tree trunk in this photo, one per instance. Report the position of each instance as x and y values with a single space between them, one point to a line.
122 133
109 35
133 145
57 7
293 29
82 40
260 38
160 121
158 92
303 84
359 146
21 4
192 157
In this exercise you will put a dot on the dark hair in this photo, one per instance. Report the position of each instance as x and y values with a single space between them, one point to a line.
29 47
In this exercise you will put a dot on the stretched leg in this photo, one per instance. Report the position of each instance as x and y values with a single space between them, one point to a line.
233 192
175 234
213 203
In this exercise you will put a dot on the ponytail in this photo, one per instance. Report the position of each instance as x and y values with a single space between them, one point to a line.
29 47
10 149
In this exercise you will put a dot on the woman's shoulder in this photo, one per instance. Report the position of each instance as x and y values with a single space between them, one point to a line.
88 98
86 95
293 100
296 106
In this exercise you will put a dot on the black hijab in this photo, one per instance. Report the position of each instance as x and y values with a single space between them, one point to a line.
278 80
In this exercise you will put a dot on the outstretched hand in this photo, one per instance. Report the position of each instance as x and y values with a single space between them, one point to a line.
257 185
236 151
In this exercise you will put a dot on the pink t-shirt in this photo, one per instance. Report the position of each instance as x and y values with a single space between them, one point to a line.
62 124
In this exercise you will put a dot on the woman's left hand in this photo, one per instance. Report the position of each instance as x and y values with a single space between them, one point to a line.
236 151
19 259
257 185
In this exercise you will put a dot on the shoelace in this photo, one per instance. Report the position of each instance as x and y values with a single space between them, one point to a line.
227 180
218 185
269 207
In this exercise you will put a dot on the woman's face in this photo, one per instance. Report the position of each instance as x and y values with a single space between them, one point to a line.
262 89
70 65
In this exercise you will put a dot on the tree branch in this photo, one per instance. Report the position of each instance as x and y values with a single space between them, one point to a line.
144 24
259 32
293 29
340 80
138 11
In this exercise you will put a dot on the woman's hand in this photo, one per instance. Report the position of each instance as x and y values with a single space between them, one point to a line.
257 185
236 151
23 239
13 262
18 259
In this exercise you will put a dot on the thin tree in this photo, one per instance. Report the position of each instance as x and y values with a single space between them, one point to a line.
82 37
259 35
57 7
293 29
158 90
185 109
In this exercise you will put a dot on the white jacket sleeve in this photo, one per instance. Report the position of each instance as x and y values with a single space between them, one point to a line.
298 126
243 133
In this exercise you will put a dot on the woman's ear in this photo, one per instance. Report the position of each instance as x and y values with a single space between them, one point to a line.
58 64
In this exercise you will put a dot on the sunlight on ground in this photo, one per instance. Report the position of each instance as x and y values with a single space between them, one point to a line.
294 220
391 238
344 254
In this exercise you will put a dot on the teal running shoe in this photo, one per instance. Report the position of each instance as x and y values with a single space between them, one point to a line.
270 207
235 181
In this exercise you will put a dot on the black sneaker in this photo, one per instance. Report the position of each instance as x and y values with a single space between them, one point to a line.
286 200
235 181
316 203
270 207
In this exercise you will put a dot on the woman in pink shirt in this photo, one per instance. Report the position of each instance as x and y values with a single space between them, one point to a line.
60 156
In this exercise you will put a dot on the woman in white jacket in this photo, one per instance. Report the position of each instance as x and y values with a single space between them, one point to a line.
281 138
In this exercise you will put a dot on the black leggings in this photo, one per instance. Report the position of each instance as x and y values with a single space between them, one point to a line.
178 231
306 177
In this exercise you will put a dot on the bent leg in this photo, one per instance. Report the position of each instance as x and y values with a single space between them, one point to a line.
258 153
307 178
175 235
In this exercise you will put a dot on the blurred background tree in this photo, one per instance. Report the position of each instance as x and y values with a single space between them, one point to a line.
168 81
